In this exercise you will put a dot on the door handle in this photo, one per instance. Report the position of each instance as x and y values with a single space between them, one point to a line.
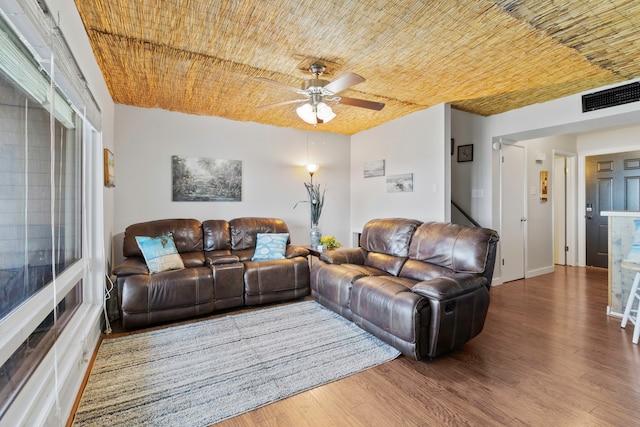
523 219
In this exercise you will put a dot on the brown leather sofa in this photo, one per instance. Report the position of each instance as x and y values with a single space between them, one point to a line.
218 273
421 287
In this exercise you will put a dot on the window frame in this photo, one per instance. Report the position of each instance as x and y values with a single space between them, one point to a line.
49 394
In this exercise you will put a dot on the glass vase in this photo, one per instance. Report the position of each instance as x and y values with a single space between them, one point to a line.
315 235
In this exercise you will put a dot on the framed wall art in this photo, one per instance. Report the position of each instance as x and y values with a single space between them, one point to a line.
375 168
465 153
544 186
109 169
402 183
200 179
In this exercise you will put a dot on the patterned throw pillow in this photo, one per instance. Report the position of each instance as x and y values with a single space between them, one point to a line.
634 253
160 253
270 246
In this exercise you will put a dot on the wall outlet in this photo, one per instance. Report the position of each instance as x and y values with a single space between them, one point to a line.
476 194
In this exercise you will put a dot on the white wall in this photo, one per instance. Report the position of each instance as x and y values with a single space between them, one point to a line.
418 144
273 171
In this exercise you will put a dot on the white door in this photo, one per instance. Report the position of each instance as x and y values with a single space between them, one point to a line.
512 235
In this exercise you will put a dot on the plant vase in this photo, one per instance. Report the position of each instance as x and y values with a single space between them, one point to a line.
315 235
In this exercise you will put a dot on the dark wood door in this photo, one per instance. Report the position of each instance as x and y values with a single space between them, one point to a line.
612 184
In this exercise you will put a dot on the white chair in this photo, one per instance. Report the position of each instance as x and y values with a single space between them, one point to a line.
631 313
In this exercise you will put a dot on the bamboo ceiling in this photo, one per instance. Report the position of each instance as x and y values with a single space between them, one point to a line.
485 57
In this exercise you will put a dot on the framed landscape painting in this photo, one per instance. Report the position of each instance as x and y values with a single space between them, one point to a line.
375 168
200 179
400 183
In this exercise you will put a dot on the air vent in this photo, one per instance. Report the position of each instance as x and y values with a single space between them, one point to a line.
611 97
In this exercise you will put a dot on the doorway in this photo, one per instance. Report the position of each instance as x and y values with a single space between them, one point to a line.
612 182
513 212
560 210
564 208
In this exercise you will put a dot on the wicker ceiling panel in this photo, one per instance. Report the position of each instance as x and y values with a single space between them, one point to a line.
486 57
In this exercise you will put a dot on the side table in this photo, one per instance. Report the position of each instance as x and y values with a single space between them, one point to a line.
313 252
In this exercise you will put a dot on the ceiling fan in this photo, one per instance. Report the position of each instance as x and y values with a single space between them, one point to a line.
318 93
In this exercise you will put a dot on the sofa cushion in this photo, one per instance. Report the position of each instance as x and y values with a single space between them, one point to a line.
386 307
453 246
270 246
389 236
193 259
275 280
216 235
160 253
187 235
245 230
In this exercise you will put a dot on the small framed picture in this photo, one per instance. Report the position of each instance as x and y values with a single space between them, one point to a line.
544 186
375 168
109 169
465 153
402 183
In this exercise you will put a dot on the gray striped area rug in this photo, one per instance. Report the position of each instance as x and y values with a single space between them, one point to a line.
201 373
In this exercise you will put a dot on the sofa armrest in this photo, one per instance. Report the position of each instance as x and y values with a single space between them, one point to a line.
130 267
343 256
222 259
296 251
447 287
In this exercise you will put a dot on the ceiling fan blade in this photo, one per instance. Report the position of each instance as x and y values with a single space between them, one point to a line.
343 82
282 85
355 102
293 101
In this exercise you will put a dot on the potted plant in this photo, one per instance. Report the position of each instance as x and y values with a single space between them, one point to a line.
329 242
316 202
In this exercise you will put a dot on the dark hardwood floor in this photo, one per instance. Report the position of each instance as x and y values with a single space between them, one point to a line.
548 355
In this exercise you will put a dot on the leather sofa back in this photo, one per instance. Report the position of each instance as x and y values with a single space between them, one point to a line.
244 231
187 235
386 243
453 246
390 236
217 237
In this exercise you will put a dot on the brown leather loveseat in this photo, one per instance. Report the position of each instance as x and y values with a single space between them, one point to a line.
218 270
421 287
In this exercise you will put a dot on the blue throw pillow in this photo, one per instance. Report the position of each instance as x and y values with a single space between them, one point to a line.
634 253
270 246
160 253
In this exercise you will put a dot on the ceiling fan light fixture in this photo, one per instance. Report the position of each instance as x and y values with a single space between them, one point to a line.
325 113
306 113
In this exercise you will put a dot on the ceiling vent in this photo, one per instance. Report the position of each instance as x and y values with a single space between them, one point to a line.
611 97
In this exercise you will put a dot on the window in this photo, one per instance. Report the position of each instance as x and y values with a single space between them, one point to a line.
41 215
30 248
